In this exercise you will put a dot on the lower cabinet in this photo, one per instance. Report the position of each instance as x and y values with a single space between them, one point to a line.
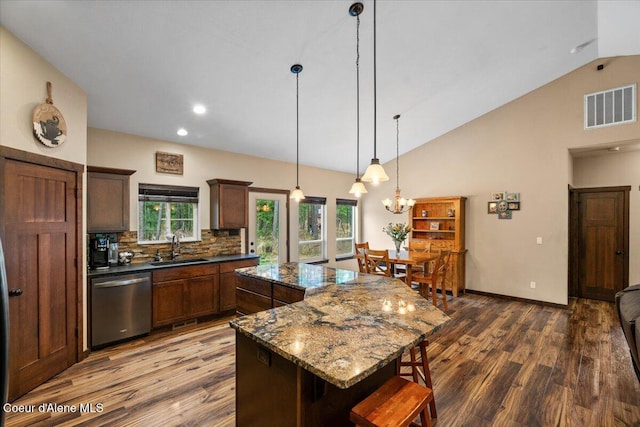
254 295
168 302
188 292
184 293
229 282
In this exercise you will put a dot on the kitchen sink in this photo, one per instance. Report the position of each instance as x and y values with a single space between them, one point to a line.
178 261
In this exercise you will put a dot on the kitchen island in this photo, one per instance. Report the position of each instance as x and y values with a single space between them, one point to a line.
308 363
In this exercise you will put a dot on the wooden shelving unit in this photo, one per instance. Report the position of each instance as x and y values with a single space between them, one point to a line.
441 221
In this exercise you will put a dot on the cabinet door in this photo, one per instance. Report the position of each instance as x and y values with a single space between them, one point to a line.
228 283
229 201
169 302
202 296
107 202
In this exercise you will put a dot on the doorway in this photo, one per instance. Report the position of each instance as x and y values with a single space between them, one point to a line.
598 242
40 223
268 225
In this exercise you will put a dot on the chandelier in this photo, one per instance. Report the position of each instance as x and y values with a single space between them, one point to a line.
400 204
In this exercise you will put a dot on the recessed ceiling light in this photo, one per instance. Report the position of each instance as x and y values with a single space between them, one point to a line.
183 132
199 109
613 149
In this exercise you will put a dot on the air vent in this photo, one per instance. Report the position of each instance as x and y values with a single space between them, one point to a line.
610 107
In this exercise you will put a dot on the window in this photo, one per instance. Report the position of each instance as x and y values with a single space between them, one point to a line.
165 210
345 227
311 229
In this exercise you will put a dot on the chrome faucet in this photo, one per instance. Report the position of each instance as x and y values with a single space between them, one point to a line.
175 246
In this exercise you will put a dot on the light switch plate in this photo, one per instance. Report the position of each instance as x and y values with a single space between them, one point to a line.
539 240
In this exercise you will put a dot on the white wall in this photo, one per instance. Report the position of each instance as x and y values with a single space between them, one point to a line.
616 169
118 150
520 147
23 78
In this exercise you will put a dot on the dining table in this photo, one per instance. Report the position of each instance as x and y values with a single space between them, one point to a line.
410 258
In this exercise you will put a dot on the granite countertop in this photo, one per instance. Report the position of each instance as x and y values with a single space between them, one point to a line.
349 324
144 267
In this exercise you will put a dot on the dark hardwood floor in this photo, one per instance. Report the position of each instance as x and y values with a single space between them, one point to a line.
498 363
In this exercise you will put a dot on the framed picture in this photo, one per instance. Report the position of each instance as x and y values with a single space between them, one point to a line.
434 226
504 215
514 206
512 197
497 196
492 208
169 163
503 205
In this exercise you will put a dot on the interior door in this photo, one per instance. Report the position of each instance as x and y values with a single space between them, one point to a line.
267 234
601 229
40 246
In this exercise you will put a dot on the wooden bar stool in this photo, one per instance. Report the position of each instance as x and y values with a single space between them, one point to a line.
416 374
395 404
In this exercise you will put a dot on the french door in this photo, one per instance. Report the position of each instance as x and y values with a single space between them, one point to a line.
268 230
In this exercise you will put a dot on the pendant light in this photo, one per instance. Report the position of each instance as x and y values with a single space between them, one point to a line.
358 187
400 204
297 193
375 172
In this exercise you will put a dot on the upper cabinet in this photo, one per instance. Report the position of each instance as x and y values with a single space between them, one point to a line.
229 203
107 199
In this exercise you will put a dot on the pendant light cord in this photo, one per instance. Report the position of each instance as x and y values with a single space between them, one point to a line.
358 97
375 156
398 152
297 134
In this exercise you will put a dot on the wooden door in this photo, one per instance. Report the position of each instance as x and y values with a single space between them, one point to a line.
600 256
40 233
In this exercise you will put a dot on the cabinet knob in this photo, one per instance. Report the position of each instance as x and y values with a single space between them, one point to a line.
619 253
15 292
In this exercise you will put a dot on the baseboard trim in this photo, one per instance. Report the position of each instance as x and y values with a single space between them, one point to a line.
530 301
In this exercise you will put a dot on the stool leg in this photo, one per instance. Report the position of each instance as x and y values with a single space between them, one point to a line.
414 365
427 376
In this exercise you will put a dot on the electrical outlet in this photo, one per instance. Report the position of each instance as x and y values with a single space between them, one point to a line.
539 240
533 285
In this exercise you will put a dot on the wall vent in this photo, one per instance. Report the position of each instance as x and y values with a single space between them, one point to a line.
610 107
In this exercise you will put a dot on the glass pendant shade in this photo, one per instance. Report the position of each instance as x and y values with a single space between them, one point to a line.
358 188
375 173
297 194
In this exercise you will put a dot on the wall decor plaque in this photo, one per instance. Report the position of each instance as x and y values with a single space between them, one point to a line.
49 126
169 163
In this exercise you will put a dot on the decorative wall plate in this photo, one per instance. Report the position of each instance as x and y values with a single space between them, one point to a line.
49 126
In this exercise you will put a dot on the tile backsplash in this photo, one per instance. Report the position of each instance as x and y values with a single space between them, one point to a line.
212 243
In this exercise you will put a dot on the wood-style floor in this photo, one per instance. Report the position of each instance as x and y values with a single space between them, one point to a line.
498 363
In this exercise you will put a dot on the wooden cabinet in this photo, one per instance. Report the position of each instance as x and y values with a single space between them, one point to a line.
254 295
183 293
229 203
107 199
229 282
441 222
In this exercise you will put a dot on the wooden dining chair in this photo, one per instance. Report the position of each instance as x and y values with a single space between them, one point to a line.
377 262
359 255
419 246
436 279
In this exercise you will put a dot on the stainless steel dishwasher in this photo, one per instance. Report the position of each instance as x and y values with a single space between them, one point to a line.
120 307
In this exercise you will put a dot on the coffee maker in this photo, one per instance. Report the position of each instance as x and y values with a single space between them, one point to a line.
98 252
103 251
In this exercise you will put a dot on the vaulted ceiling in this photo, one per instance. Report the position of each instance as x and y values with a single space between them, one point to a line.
440 64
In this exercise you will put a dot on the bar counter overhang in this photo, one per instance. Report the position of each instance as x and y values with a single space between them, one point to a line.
308 363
